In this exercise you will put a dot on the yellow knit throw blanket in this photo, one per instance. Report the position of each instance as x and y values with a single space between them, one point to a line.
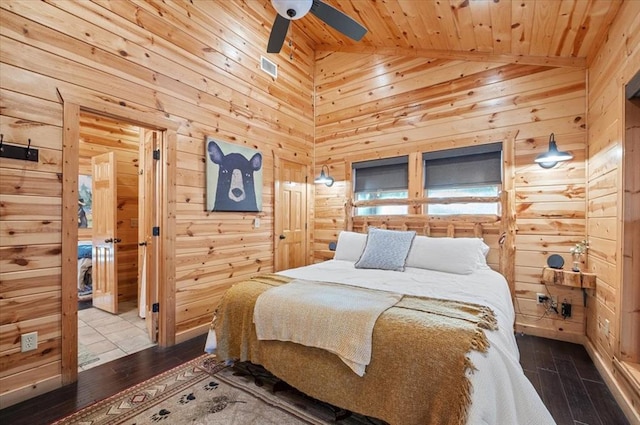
417 373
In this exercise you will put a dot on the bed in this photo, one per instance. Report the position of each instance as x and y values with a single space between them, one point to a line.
412 377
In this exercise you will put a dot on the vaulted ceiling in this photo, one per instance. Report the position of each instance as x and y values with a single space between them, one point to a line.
560 32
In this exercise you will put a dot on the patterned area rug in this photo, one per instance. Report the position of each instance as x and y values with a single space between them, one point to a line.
205 391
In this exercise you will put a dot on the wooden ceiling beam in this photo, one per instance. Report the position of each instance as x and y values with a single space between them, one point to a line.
468 56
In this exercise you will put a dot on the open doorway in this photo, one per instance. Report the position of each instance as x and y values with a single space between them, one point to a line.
629 351
160 302
113 237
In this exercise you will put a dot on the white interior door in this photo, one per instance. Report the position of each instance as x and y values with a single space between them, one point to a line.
105 240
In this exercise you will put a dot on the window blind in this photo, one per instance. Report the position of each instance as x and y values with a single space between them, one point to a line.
381 174
470 166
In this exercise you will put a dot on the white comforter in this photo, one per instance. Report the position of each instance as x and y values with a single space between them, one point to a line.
501 393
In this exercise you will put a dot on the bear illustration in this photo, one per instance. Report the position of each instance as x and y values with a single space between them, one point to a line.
236 189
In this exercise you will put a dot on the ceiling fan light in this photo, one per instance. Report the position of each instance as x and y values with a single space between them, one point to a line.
292 9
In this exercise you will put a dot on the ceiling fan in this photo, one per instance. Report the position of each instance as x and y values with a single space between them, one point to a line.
289 10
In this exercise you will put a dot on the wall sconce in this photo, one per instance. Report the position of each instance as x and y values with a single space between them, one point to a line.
324 178
550 158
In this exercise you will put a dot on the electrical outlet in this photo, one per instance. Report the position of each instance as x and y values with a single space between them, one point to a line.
29 341
541 297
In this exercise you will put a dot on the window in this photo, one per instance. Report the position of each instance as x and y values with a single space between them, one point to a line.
381 179
474 171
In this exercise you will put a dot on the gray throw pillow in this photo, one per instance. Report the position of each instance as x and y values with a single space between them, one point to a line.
386 249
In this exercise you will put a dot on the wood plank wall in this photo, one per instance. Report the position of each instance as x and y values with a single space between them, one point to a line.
196 63
100 135
371 107
138 54
615 64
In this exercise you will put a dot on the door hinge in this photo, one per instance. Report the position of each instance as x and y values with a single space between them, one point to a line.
155 307
156 154
155 231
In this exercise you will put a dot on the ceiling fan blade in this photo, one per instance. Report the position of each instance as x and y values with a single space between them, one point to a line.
278 34
338 20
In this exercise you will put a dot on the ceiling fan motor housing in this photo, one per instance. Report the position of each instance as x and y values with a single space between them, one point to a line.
289 10
292 9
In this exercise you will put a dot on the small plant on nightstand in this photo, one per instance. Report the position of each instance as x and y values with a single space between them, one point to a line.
577 251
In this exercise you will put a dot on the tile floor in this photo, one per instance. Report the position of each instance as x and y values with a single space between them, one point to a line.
103 336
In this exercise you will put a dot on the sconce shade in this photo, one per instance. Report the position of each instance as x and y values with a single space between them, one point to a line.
550 158
324 178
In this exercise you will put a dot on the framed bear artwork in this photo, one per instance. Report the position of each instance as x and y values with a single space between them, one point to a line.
234 177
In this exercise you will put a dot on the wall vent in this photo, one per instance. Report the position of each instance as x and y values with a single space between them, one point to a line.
269 67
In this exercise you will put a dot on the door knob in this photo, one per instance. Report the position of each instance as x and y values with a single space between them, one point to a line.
282 237
117 240
110 240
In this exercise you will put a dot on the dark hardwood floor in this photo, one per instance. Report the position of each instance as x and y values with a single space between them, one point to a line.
562 373
101 382
568 382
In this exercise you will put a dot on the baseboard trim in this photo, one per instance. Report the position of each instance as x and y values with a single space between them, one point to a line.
192 333
614 385
29 391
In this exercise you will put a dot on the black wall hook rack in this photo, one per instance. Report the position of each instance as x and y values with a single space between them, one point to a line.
18 152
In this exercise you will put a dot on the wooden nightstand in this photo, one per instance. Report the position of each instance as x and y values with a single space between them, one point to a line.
568 278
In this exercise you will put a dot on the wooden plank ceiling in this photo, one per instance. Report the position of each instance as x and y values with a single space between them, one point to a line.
560 32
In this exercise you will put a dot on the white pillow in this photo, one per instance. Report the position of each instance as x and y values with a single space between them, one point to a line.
386 249
451 255
350 246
